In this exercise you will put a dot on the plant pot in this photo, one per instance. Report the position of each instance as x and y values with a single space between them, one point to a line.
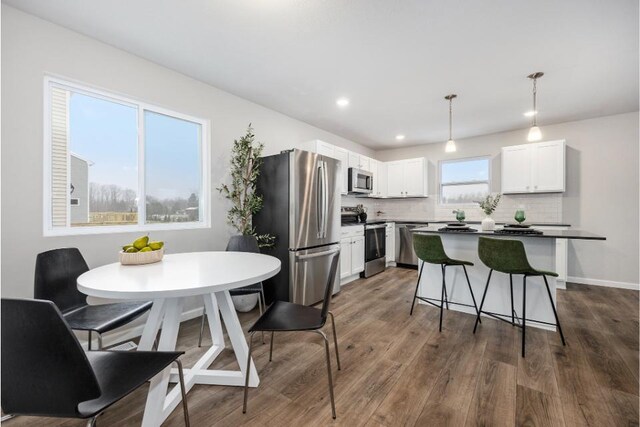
244 303
488 224
243 243
363 217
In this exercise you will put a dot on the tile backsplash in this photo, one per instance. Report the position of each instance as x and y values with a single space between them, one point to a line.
538 208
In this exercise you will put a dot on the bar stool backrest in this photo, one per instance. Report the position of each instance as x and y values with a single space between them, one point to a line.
429 248
328 290
504 255
56 274
44 370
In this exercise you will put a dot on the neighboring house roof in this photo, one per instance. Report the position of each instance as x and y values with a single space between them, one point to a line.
87 161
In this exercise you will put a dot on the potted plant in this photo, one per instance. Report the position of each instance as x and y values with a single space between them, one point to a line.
362 213
488 206
244 170
460 216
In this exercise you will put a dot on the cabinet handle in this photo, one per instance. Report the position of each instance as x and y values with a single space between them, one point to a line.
535 186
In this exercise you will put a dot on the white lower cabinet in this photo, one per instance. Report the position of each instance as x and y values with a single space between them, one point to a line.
390 243
351 252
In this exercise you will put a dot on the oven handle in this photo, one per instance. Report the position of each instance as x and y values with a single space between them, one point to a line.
373 227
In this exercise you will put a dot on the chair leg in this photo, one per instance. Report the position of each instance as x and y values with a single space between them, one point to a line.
473 298
91 422
246 374
328 357
524 311
335 339
204 314
441 299
484 295
271 347
90 338
99 340
260 309
7 417
415 294
446 296
513 320
183 391
555 313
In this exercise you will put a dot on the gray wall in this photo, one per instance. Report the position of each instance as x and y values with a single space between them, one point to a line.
602 187
32 47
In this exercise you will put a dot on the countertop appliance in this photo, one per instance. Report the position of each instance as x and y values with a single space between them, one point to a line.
301 208
375 255
405 255
360 181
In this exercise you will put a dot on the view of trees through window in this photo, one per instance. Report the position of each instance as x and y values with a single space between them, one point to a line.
103 162
464 180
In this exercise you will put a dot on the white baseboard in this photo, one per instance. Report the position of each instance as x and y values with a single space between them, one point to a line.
605 283
349 279
134 332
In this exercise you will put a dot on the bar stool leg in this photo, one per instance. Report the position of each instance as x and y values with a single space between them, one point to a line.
442 300
512 310
524 311
555 313
484 295
446 297
415 294
471 290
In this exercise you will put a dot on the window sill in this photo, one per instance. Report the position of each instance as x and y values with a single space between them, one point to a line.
84 231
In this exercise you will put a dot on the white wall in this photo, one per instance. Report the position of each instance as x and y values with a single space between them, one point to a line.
602 188
32 47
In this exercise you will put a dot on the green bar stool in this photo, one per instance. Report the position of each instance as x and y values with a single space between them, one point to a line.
430 250
508 256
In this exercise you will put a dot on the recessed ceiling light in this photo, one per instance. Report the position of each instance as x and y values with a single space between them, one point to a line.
342 102
400 137
530 113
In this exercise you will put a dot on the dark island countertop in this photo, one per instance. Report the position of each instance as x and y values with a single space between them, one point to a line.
440 221
548 234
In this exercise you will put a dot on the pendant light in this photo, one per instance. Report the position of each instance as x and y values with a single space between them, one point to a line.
534 132
450 147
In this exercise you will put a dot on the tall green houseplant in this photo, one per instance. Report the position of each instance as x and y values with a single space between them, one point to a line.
245 169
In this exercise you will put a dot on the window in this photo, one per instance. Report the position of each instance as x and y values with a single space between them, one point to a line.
115 164
464 180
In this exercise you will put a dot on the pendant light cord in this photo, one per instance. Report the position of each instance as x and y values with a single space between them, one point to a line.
450 117
535 110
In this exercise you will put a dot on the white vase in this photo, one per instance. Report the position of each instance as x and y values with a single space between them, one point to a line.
244 303
488 224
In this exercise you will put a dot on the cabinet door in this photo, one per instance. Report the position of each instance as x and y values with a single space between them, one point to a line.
325 149
548 160
343 155
395 179
414 177
516 169
345 257
357 255
365 163
381 179
354 160
390 242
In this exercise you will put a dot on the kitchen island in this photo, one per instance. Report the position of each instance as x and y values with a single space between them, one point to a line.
541 252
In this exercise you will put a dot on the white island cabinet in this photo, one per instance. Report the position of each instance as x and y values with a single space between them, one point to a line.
534 168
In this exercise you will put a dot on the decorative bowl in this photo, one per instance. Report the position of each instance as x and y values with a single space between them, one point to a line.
140 258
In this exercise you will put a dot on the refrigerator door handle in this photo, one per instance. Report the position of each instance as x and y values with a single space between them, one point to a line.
318 254
319 201
325 191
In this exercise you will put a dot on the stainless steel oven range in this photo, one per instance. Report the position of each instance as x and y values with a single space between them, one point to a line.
375 255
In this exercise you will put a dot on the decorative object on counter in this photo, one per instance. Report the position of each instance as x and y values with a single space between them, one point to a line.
458 229
450 147
488 206
519 216
534 132
517 230
460 216
245 168
142 251
362 213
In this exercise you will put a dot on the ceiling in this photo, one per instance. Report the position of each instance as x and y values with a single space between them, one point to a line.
395 60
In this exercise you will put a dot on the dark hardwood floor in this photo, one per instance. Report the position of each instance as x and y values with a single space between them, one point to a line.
398 370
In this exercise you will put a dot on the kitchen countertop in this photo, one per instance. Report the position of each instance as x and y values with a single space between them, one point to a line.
549 234
423 221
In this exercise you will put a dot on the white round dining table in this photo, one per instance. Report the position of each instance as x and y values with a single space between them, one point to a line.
209 275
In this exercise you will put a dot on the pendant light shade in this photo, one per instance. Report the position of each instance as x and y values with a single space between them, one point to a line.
450 147
534 133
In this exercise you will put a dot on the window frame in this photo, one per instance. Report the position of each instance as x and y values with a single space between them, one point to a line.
141 106
463 159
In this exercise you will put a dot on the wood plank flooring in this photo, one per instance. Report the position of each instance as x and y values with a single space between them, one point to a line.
397 370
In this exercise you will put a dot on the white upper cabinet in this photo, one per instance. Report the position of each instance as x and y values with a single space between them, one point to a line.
534 168
325 149
359 162
381 179
407 178
343 155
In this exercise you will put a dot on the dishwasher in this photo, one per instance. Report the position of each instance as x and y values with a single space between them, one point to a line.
405 255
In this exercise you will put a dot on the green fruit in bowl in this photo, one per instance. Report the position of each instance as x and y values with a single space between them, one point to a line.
146 249
125 247
156 245
141 242
131 250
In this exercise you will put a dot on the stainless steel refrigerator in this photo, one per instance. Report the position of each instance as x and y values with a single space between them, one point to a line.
301 208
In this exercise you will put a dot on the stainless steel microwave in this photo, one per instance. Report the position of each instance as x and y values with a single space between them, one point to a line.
360 181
